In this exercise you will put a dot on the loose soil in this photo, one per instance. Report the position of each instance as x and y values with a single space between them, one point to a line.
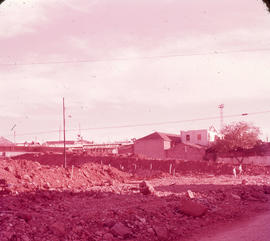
93 201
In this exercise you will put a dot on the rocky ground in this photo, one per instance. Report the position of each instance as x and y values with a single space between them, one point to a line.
98 202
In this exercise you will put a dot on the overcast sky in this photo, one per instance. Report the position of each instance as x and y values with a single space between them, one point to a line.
126 62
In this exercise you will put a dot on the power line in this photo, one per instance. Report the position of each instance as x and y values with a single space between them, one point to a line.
146 124
135 58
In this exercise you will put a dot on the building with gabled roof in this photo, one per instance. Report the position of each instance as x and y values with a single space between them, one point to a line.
155 145
159 145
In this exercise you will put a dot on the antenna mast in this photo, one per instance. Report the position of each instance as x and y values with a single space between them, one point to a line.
221 107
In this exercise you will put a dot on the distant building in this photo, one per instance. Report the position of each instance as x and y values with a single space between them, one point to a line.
77 143
201 137
5 142
160 145
59 143
108 148
155 145
126 150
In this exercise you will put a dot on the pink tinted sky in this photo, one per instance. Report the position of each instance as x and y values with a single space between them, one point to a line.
136 90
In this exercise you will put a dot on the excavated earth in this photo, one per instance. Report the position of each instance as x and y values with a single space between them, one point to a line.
99 202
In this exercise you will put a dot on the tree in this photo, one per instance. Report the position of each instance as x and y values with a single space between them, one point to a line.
236 139
267 2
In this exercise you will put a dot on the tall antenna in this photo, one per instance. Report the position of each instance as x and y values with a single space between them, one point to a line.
221 106
14 132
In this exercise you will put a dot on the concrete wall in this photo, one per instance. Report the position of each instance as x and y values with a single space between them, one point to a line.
152 148
185 152
254 160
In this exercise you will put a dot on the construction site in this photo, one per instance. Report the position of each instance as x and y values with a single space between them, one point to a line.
108 199
134 120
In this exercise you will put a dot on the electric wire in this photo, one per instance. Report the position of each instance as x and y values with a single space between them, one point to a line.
145 124
78 61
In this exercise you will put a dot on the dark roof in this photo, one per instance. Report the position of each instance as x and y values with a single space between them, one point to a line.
162 135
5 142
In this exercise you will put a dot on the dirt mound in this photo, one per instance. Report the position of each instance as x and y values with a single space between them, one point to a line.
24 175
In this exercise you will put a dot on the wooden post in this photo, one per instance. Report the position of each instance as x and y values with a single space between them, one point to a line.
72 172
170 169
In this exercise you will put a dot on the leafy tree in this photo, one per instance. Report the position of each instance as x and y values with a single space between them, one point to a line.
267 2
236 139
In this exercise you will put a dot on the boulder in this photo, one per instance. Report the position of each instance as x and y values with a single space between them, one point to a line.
108 237
58 228
266 189
244 182
27 178
8 169
146 188
235 196
47 185
119 229
109 222
161 232
190 194
192 208
25 216
3 182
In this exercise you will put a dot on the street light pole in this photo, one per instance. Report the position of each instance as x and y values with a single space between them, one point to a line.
64 130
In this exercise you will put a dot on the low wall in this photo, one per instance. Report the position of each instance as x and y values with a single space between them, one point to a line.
253 160
132 165
185 152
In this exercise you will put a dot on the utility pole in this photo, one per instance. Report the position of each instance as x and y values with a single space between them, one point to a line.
221 106
64 130
14 133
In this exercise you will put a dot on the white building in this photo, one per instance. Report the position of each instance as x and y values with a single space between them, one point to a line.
199 137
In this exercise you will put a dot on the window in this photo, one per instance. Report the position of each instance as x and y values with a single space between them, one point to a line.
187 137
199 137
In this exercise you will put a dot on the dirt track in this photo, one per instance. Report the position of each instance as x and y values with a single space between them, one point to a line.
255 229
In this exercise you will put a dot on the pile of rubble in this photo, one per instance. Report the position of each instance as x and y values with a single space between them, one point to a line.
98 202
23 175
